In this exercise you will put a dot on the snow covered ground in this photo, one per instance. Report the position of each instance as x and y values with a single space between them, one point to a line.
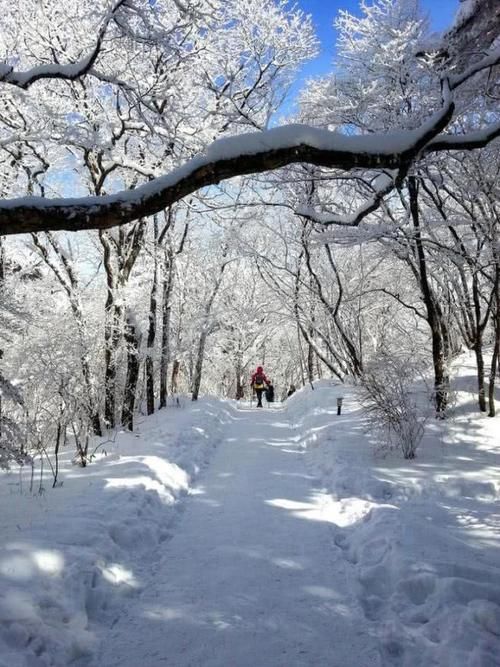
74 557
231 537
422 538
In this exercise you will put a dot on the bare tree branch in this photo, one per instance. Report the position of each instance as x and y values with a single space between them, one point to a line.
469 141
70 71
387 184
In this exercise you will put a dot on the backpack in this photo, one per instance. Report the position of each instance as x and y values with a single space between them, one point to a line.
258 382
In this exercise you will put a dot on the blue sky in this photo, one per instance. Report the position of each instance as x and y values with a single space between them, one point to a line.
323 12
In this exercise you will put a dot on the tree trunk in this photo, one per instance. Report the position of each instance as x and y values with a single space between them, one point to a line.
150 379
2 260
168 283
310 359
68 279
240 388
2 281
353 356
112 337
495 359
310 348
303 332
478 351
434 315
300 335
86 372
198 367
478 343
319 370
120 255
174 380
132 340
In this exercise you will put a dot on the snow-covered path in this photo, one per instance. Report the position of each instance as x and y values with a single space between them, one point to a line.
250 577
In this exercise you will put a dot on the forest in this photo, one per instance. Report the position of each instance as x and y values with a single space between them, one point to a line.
186 196
166 226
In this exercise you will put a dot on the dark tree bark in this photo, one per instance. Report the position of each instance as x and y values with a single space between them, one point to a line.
111 337
353 358
149 363
167 287
2 281
240 387
495 359
2 260
168 277
132 339
478 345
310 357
303 331
475 314
174 380
310 349
342 152
433 309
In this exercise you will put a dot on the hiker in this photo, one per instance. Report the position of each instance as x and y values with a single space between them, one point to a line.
291 391
270 392
259 382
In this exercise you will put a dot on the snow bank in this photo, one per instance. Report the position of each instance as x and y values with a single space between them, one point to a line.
422 538
71 556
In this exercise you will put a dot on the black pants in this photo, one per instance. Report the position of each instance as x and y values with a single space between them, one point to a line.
259 393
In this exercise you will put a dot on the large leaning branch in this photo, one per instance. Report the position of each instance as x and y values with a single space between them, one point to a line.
242 155
245 154
252 153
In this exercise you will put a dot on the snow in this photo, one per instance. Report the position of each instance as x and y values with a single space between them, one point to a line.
479 137
230 536
382 185
422 538
71 557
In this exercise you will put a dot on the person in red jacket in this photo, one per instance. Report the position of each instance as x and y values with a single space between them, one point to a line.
258 383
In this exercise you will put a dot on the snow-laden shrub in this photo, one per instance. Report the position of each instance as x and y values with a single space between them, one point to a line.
394 398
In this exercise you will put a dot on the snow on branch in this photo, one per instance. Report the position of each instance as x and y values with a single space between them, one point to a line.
70 71
477 139
489 61
235 156
250 153
384 184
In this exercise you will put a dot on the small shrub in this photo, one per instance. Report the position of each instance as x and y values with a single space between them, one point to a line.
390 400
